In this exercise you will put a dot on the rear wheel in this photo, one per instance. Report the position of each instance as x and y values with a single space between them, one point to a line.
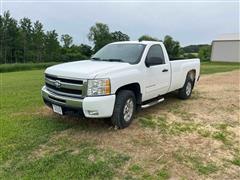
186 91
124 109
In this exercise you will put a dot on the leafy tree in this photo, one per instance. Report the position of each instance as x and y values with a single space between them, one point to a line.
72 56
26 38
193 48
52 46
99 34
9 32
190 55
67 40
26 41
76 52
1 39
173 47
86 50
119 36
147 38
38 41
205 53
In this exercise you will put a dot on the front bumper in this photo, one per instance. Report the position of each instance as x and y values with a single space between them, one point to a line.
92 107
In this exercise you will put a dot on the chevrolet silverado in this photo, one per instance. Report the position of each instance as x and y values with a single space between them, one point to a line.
119 79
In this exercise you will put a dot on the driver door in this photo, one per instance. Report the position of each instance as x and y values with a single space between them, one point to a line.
157 76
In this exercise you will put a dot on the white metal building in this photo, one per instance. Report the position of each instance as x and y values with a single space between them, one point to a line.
226 48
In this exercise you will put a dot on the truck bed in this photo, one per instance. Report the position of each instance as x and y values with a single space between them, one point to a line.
180 68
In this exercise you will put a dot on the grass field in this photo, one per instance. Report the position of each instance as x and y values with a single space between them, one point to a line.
168 140
215 67
25 128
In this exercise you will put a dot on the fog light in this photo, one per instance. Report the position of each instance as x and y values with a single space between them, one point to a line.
93 112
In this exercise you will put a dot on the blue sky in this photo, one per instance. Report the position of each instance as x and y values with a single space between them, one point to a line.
188 22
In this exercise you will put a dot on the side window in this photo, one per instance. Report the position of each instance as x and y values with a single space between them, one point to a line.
155 51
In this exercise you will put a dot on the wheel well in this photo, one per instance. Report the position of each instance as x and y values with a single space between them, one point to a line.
192 74
135 88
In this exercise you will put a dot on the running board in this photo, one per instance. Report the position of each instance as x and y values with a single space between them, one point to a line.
152 103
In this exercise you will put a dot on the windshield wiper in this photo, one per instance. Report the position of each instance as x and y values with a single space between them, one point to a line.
110 60
96 58
114 60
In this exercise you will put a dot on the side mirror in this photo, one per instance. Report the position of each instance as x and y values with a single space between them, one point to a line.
152 61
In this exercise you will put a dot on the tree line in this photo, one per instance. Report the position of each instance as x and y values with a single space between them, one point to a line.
26 41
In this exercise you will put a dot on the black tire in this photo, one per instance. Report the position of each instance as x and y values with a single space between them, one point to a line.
183 92
118 115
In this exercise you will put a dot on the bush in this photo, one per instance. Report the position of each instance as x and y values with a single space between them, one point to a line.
73 57
190 55
205 53
147 38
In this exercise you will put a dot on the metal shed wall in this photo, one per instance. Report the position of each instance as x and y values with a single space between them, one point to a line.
226 51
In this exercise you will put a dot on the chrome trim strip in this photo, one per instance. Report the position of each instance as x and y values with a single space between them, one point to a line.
64 94
71 102
152 103
64 84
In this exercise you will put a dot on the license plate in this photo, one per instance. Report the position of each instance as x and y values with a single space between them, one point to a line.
57 109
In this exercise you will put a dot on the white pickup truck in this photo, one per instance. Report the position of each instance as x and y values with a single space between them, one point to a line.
119 79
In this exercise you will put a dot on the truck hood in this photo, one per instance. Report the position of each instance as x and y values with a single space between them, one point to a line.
86 69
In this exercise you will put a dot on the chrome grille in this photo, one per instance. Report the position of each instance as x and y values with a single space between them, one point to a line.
65 86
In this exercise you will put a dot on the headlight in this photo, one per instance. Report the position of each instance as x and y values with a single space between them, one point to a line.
98 87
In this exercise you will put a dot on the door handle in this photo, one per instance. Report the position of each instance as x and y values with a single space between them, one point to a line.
165 70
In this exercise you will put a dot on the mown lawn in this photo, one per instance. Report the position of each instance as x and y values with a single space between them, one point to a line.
215 67
35 143
25 129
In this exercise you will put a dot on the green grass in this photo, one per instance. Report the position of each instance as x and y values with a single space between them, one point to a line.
215 67
223 134
220 136
25 129
171 128
135 168
24 67
195 162
163 174
204 132
236 160
159 122
65 164
137 172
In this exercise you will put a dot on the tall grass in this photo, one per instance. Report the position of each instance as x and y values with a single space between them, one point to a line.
24 66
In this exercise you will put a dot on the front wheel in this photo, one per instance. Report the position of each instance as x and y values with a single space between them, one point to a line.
125 107
186 91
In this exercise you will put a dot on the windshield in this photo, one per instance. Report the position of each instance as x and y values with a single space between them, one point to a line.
129 53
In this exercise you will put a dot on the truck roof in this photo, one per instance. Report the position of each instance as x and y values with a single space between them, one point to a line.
137 42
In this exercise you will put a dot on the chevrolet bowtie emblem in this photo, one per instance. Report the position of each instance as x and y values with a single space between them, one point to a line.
57 84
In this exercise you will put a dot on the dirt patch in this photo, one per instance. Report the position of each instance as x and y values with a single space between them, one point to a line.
215 101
